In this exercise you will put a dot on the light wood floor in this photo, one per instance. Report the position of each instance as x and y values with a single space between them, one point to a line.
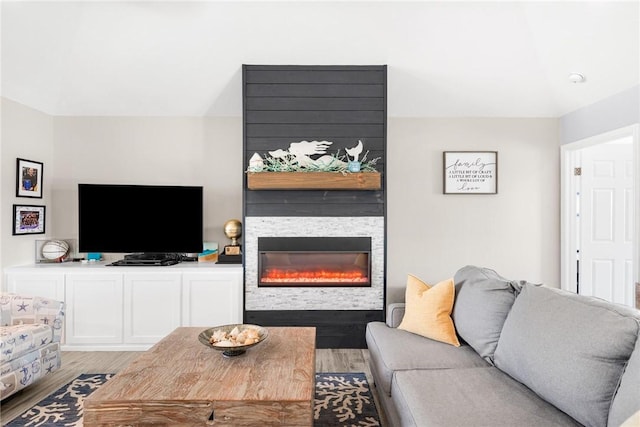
75 363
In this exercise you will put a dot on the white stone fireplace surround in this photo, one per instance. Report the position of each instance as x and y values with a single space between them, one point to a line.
314 298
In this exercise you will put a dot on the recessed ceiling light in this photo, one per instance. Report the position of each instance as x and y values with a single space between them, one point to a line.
576 78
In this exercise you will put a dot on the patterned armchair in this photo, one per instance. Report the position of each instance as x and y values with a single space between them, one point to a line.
30 334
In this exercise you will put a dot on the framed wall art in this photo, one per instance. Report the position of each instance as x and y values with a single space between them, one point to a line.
470 172
29 178
28 219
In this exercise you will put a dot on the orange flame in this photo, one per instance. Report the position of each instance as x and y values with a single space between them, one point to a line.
320 275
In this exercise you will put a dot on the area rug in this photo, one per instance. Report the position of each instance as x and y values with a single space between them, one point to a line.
342 399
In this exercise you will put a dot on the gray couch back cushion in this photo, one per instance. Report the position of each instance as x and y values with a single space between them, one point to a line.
483 300
569 349
627 399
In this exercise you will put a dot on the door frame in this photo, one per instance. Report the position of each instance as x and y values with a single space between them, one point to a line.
568 229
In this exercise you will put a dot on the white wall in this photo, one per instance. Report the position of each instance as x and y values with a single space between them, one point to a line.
26 134
149 150
515 232
429 234
614 112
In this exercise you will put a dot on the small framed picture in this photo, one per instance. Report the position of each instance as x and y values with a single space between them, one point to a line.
470 172
29 178
28 219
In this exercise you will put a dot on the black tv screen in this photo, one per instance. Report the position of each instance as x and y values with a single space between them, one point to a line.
140 218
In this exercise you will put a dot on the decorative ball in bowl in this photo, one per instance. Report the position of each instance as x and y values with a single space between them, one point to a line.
233 340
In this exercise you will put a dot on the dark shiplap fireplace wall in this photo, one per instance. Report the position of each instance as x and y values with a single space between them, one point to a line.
341 104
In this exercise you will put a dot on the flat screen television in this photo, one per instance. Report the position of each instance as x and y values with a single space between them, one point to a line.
149 219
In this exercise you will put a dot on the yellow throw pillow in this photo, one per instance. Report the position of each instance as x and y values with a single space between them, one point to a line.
428 310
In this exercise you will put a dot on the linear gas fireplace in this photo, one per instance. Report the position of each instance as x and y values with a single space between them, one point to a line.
280 252
314 261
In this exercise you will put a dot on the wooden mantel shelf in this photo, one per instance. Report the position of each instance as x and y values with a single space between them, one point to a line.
313 181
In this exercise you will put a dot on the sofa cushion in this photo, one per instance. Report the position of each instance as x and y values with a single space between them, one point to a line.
470 397
483 300
428 310
570 349
392 349
627 399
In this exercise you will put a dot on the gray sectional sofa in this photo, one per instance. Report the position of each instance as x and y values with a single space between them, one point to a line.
530 356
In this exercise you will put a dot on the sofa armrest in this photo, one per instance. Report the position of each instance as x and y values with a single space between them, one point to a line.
55 311
17 309
395 313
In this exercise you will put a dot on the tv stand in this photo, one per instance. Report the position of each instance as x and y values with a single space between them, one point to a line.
130 309
147 259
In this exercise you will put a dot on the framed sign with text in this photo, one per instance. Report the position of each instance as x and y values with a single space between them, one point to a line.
470 172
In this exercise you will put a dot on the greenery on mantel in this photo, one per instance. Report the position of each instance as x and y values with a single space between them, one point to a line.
289 163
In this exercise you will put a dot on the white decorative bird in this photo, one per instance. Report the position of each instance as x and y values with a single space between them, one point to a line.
355 151
279 153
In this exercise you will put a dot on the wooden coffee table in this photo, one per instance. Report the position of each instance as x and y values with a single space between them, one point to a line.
180 382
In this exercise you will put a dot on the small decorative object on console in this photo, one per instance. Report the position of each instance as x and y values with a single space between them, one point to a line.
232 254
54 250
94 256
209 252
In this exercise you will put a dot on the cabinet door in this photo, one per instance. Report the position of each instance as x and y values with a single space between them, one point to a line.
151 306
212 298
94 308
47 285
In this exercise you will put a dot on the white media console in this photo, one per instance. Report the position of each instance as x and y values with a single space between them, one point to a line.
132 308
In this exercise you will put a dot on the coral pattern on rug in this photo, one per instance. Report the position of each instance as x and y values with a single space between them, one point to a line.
344 399
341 399
62 408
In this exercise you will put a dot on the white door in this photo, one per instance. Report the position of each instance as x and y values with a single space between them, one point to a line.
606 221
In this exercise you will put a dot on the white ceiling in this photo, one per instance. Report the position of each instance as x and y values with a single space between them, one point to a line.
445 59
